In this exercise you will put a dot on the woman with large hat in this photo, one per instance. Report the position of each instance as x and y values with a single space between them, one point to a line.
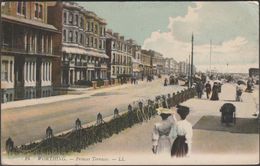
181 134
160 136
215 92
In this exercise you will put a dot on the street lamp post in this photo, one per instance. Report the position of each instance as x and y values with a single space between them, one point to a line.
191 59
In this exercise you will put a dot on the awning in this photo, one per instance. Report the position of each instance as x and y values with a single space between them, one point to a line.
72 50
135 61
136 70
97 54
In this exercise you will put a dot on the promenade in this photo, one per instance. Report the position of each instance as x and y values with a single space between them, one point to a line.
213 143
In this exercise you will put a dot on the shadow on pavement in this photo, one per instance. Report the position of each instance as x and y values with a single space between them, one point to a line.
231 101
243 125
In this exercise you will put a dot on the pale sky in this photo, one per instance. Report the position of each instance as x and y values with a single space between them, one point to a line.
166 27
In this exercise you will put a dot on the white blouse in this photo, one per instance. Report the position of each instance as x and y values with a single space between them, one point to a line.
163 128
182 128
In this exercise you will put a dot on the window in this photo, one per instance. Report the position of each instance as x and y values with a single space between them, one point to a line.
65 17
100 44
104 44
88 26
113 44
30 70
100 31
92 27
91 41
70 36
4 71
113 71
87 41
81 22
24 8
21 8
77 17
76 36
96 28
81 39
11 71
64 35
70 18
95 45
38 11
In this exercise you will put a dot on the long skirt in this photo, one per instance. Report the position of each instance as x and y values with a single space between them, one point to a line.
179 147
164 145
214 96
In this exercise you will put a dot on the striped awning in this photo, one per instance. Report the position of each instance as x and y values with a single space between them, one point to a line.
73 50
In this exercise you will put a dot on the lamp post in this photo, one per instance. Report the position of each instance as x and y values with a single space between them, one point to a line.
191 59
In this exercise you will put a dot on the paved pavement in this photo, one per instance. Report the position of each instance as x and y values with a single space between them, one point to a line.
27 121
213 143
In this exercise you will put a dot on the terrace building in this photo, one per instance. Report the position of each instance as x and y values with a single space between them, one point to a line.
120 54
83 55
27 51
136 58
146 60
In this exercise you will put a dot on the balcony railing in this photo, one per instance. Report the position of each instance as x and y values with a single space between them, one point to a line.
79 64
92 65
19 49
104 65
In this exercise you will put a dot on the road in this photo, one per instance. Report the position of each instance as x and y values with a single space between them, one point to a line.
26 124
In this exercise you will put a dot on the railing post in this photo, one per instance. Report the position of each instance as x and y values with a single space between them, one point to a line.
78 124
49 132
116 113
99 119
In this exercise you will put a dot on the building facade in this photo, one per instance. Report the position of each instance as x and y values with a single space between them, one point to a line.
158 62
136 58
120 54
170 65
27 51
146 61
182 68
83 40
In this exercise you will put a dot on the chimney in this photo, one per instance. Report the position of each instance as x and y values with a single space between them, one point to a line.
121 37
116 35
109 31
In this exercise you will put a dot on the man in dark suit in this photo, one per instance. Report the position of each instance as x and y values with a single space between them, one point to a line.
208 89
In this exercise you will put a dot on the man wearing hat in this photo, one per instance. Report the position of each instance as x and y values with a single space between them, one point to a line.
181 134
160 136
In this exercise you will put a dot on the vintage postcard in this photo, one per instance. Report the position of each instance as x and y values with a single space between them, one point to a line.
129 83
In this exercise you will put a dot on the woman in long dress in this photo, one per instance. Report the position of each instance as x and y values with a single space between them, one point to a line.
160 135
215 91
181 133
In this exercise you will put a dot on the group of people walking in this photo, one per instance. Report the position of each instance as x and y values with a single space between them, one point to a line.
214 91
170 136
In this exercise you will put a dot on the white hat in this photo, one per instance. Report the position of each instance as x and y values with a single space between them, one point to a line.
162 110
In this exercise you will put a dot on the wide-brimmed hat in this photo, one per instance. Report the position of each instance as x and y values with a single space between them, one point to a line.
162 110
183 110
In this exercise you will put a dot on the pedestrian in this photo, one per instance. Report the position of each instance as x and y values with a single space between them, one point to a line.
160 135
239 91
165 82
208 89
181 133
215 92
199 89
